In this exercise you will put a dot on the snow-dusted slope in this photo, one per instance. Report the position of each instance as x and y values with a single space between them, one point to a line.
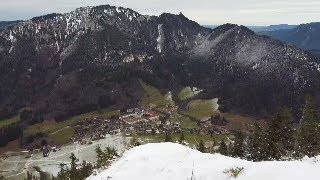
59 58
168 161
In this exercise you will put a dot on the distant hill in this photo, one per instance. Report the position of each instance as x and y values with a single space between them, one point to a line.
272 27
211 26
263 28
314 51
4 24
305 36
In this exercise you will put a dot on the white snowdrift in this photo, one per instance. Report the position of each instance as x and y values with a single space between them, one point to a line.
168 161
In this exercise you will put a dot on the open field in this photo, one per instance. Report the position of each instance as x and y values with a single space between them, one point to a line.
200 109
62 136
188 92
187 123
153 96
11 146
185 93
9 121
241 123
50 127
191 139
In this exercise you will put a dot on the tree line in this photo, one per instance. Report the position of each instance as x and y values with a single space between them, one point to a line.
9 133
281 139
76 170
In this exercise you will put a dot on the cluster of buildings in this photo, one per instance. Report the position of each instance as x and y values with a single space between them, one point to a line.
148 121
96 128
139 121
132 121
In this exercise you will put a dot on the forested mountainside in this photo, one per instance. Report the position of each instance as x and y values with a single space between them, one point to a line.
59 65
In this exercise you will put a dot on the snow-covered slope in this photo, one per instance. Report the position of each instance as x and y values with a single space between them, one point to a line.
168 161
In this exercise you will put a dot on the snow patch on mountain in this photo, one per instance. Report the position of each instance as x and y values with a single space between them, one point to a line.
129 58
205 44
252 51
11 36
168 161
160 38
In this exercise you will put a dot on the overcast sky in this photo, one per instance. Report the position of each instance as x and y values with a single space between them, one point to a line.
205 12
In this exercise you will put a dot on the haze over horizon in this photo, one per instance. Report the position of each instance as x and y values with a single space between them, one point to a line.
206 12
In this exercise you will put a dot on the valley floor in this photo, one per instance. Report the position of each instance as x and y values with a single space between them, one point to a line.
169 161
16 166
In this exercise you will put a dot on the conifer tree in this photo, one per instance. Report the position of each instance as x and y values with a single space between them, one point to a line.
201 147
256 145
111 153
74 175
64 173
308 137
135 142
29 176
223 148
168 138
153 131
100 156
181 139
280 135
238 149
86 170
212 147
103 157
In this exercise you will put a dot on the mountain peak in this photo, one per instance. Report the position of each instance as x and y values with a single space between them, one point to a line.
108 37
45 17
229 26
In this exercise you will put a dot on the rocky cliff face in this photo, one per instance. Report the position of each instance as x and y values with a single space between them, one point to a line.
65 64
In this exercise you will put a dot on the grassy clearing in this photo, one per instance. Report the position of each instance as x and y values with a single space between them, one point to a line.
11 146
153 96
51 127
62 137
200 109
185 93
187 123
191 139
9 121
238 122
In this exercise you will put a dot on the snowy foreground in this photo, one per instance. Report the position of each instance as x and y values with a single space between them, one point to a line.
168 161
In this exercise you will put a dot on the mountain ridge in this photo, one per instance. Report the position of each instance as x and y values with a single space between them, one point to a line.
64 64
304 36
258 29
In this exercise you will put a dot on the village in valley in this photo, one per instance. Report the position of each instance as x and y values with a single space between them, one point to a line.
157 117
149 123
141 121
